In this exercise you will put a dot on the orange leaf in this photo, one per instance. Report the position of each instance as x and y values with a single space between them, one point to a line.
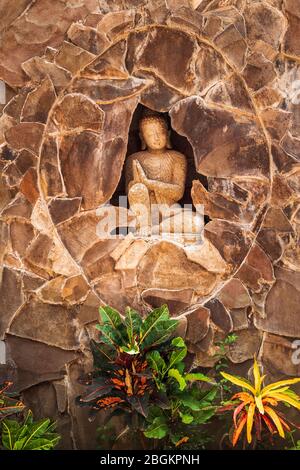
238 430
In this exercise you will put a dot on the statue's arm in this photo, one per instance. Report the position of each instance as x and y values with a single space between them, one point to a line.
175 190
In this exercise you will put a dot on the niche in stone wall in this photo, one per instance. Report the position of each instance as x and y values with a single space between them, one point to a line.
178 142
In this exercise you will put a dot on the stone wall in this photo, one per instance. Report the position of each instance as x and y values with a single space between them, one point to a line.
228 74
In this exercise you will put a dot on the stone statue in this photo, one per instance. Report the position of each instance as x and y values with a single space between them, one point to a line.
155 179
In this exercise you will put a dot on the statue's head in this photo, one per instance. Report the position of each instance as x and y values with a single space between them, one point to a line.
154 132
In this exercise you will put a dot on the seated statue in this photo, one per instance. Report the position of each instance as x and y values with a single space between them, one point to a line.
155 182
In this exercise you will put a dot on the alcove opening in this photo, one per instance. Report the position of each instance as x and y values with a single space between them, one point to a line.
179 143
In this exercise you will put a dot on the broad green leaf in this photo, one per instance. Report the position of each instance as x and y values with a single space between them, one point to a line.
112 327
178 342
37 430
157 429
42 444
186 418
190 402
198 376
175 374
156 362
133 322
157 315
160 333
111 316
10 430
179 354
204 415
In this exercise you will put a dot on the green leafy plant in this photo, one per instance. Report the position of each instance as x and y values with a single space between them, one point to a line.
186 406
28 434
122 378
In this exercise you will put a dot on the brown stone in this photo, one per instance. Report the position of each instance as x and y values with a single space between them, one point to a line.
36 362
89 309
233 46
47 323
280 356
292 36
50 175
44 23
21 234
51 291
281 191
270 242
221 140
64 208
197 324
219 315
276 121
154 270
176 300
104 91
25 136
158 95
282 308
19 206
216 205
72 58
11 297
264 22
111 64
210 67
91 168
76 112
232 92
97 260
246 345
88 38
37 257
259 71
75 289
256 270
132 256
275 219
38 102
29 185
207 256
25 160
79 234
111 291
115 23
173 52
239 318
231 241
39 68
234 295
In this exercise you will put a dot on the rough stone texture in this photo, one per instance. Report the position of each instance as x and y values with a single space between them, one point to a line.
227 74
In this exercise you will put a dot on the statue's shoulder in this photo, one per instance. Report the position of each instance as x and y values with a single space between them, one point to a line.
177 155
135 156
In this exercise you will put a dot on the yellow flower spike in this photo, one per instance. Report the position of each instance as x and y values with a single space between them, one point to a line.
250 416
257 376
237 381
259 404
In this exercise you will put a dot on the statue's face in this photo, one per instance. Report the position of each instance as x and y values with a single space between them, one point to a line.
154 135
